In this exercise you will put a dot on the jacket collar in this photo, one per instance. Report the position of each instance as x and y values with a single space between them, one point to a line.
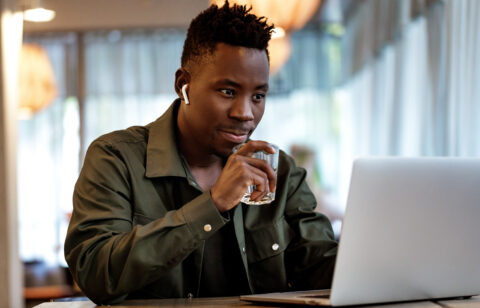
163 157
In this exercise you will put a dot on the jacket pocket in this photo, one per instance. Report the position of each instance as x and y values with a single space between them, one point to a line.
268 241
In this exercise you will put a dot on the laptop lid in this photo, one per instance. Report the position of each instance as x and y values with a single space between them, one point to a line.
410 232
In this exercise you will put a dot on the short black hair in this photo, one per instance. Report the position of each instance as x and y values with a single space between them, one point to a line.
233 25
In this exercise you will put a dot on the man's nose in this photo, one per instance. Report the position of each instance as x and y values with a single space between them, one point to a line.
241 109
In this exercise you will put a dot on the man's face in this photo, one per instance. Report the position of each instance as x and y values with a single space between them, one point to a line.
227 98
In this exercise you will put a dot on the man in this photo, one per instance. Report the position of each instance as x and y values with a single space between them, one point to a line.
156 208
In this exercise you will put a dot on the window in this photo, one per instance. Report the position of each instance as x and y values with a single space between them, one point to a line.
129 77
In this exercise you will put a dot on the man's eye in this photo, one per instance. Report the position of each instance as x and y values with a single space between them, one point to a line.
228 92
259 97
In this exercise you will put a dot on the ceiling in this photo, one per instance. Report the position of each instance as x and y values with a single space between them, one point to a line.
75 15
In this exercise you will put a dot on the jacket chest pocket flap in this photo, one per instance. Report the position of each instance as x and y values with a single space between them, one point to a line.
268 241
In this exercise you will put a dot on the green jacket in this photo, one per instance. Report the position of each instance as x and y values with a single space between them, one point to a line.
139 223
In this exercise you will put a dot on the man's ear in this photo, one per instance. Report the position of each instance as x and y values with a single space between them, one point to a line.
182 77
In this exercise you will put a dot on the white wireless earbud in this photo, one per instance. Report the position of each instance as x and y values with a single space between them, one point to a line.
184 92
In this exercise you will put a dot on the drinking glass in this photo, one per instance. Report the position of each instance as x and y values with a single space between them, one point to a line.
272 160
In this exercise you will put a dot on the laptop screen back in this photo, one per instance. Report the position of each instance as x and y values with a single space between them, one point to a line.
411 231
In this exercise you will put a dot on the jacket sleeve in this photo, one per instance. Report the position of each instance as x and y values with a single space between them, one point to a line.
107 254
310 256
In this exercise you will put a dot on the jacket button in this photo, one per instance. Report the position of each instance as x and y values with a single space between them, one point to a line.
207 228
275 247
243 249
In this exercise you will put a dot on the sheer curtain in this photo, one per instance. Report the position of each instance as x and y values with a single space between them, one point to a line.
48 151
129 77
462 71
417 95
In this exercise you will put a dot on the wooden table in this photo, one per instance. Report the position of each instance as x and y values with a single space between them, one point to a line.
223 302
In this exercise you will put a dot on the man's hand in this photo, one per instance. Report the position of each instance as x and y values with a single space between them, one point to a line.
241 171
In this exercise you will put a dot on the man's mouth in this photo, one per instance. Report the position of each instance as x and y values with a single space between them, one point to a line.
235 136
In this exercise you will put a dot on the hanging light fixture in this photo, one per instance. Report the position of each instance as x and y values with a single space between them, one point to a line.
280 50
36 80
36 12
287 16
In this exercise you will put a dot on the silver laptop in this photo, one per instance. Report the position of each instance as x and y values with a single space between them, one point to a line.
411 231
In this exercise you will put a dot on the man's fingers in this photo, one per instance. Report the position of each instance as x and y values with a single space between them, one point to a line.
257 196
254 146
258 165
265 167
241 171
259 179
